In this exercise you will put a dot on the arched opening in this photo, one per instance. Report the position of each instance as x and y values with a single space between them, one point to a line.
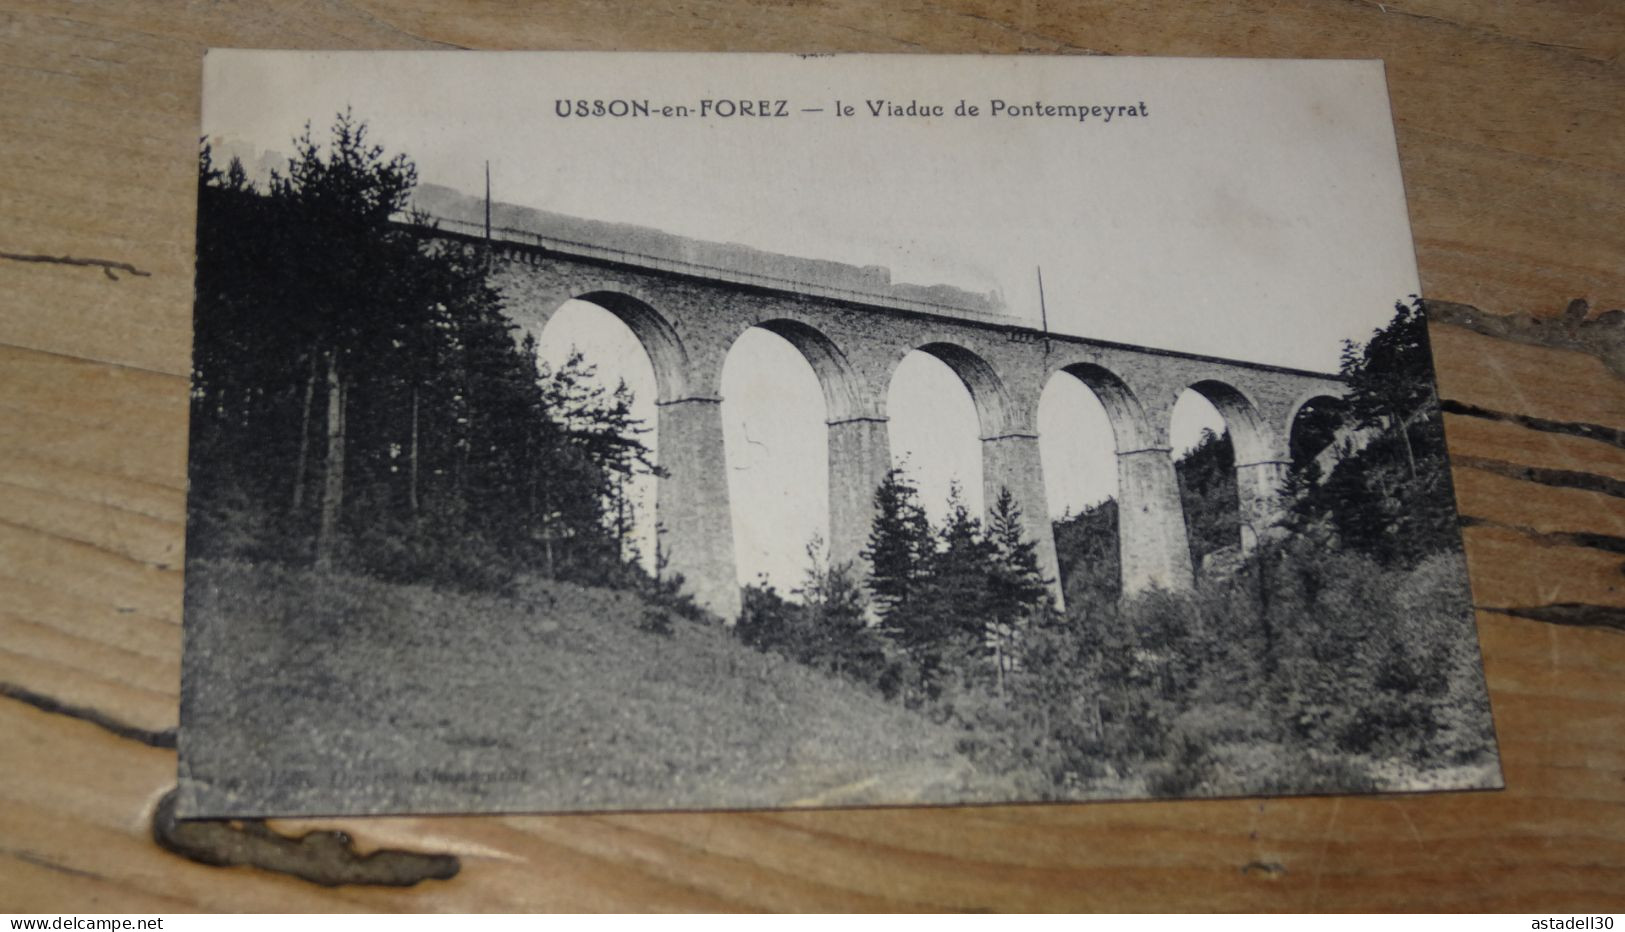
1086 416
774 413
656 337
842 394
610 338
987 392
1203 447
1248 432
943 400
967 446
1316 433
1230 483
1077 445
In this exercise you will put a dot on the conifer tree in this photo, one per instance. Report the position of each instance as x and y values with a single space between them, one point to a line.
839 621
900 548
1392 498
1390 378
960 571
1016 589
356 379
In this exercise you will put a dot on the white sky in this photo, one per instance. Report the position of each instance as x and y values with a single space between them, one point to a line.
1256 213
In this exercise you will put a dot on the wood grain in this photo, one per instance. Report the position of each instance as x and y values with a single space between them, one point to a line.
1514 157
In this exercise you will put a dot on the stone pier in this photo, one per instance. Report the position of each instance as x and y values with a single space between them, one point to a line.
691 503
1152 542
859 456
1258 494
1012 462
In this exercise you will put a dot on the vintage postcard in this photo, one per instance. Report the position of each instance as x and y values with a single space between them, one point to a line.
610 431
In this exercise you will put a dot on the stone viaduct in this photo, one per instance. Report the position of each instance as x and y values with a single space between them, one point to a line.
688 313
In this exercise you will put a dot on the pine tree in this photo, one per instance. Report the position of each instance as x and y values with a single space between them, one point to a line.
1017 590
839 621
1017 586
1392 499
900 548
1390 378
355 379
351 267
943 625
958 582
603 451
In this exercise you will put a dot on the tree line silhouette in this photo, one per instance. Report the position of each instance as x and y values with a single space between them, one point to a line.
360 401
939 609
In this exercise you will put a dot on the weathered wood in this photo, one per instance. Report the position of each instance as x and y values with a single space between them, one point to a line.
1515 166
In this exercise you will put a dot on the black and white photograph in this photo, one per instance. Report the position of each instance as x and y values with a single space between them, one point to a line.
636 431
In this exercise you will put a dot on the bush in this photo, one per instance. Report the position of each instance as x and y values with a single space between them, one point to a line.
656 620
429 551
1296 674
225 522
829 632
1086 548
1185 772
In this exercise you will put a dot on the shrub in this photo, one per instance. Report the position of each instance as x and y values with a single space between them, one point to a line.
829 632
1292 675
1185 772
655 620
429 551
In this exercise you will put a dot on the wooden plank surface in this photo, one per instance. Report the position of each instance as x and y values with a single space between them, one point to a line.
1513 147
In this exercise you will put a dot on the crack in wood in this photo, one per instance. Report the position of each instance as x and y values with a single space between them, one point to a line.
1595 541
1602 336
29 857
1598 432
164 738
1558 478
108 266
325 857
1572 614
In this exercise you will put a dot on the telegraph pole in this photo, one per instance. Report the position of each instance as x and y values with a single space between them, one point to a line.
487 216
1043 312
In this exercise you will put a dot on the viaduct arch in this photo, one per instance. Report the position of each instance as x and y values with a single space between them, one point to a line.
854 328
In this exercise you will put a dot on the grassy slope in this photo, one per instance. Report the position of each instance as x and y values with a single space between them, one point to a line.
404 698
